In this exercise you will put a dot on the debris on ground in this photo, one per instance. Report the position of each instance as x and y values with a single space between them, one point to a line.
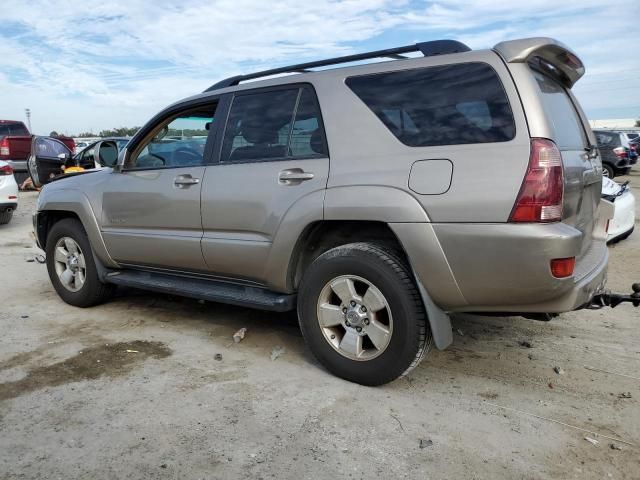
218 357
525 343
133 351
424 443
460 332
624 395
592 441
164 465
239 335
30 260
558 370
24 316
550 385
530 356
40 259
613 446
276 352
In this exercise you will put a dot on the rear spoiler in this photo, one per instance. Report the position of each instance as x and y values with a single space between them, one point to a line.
541 52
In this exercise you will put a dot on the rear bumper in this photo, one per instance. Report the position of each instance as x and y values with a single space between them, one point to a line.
505 267
18 165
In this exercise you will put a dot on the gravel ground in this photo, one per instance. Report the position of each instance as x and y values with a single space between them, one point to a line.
132 389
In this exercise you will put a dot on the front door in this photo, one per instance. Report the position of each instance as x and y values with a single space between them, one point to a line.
273 160
151 210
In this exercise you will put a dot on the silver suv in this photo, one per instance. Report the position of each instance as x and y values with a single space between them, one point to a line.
375 199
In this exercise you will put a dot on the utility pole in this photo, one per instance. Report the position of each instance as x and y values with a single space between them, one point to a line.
27 112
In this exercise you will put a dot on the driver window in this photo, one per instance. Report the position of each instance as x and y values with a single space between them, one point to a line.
180 142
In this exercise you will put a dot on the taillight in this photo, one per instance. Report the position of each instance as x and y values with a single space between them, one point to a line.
620 152
542 190
4 147
563 267
6 170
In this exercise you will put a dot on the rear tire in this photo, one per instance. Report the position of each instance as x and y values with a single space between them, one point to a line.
378 295
75 279
5 216
608 171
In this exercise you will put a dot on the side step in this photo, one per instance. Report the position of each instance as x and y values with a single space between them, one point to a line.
203 289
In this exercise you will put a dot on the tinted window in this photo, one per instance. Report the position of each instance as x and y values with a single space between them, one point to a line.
606 139
632 135
180 143
453 104
567 127
273 125
13 129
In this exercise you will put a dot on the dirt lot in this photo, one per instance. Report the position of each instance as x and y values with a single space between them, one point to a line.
131 389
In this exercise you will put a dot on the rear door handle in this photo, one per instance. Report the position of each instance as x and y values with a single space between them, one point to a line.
185 181
294 176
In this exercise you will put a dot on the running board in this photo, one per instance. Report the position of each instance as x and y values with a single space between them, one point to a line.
202 289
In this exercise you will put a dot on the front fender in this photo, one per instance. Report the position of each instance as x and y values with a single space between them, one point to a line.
75 201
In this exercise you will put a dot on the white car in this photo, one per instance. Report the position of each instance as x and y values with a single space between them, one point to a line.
8 193
624 217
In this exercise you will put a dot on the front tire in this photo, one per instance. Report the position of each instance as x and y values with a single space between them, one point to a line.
71 266
361 314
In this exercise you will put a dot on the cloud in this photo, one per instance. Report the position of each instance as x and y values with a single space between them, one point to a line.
83 64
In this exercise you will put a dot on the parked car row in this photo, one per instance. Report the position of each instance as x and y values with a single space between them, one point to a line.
619 151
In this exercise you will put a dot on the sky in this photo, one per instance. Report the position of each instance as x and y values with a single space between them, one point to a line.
88 65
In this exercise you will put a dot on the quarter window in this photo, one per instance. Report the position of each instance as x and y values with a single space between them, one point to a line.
446 105
273 125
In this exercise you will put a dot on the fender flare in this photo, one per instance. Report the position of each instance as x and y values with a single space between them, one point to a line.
74 201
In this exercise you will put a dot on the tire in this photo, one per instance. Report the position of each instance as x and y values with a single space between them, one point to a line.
369 267
88 292
608 171
5 216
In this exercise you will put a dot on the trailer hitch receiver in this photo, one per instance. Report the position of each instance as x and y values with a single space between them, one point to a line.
609 299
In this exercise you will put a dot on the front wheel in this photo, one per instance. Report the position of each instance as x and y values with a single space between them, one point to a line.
71 266
361 314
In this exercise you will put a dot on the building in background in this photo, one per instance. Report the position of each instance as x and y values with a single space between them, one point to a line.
615 124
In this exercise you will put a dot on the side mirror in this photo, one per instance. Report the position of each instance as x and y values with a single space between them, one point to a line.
106 154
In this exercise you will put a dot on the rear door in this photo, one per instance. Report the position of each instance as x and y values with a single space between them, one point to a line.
273 154
582 168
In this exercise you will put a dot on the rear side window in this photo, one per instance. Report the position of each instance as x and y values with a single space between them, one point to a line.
606 139
449 105
567 127
274 125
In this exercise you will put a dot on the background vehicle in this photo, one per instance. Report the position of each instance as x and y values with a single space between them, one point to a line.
614 149
624 217
15 146
8 193
364 197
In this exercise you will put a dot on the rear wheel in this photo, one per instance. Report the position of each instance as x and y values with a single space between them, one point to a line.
5 216
607 171
361 314
71 266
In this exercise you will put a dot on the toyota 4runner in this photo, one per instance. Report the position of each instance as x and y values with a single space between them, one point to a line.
375 199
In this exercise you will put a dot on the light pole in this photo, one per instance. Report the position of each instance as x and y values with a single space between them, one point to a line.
27 112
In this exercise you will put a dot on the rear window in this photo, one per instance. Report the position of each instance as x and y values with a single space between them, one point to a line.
568 132
13 129
448 105
607 139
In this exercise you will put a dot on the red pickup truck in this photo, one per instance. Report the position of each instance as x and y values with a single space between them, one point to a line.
15 146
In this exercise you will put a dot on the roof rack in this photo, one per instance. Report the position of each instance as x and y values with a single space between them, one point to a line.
428 49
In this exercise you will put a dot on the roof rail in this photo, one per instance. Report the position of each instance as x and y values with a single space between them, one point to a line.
428 49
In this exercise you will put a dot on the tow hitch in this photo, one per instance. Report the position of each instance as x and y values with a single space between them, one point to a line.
609 299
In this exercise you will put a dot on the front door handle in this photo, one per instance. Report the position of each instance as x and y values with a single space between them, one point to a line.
294 176
185 181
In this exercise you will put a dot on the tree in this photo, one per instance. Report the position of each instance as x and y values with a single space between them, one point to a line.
637 123
54 134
